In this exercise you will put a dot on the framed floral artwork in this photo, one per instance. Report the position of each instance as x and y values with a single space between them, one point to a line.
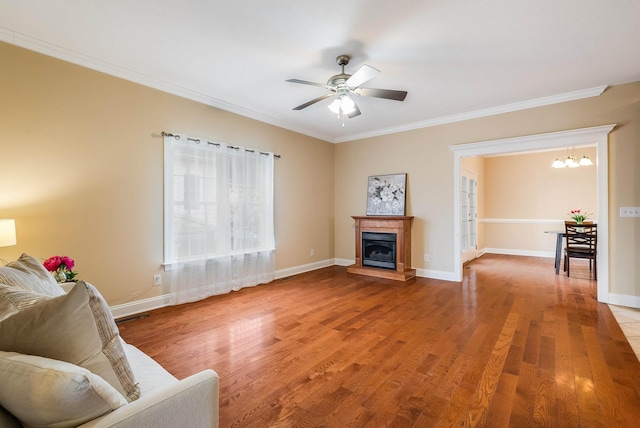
386 194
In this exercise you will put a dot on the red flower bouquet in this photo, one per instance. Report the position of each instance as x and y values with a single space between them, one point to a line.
578 216
61 268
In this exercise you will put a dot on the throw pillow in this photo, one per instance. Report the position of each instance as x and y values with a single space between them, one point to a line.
13 300
29 274
77 328
44 392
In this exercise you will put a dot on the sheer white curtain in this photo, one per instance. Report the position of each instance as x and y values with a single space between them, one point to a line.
219 233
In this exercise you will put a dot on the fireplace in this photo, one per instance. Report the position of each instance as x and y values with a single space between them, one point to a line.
379 250
383 247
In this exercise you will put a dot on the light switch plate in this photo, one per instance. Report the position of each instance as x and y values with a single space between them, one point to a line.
629 211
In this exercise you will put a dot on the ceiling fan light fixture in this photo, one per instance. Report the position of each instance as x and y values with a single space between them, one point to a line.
342 105
343 85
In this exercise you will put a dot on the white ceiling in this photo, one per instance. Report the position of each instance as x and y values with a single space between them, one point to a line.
456 58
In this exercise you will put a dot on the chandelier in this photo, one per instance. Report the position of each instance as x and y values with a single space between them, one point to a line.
571 160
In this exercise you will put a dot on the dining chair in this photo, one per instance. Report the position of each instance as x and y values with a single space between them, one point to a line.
582 243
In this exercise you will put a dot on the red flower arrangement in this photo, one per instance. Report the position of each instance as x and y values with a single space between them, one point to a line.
578 216
61 268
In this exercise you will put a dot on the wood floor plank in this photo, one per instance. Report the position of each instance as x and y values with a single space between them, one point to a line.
567 413
479 406
499 411
512 345
605 390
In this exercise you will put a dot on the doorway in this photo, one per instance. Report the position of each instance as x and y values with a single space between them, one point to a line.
597 136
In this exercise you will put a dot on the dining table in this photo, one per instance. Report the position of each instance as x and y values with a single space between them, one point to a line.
560 234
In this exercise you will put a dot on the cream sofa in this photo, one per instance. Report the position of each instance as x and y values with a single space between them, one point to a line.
63 363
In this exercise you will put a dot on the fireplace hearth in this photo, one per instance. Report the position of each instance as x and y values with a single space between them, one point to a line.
383 247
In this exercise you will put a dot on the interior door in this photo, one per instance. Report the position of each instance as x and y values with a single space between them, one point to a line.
469 215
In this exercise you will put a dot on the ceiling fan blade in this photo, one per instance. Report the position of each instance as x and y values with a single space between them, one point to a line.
363 74
308 103
355 112
382 93
306 82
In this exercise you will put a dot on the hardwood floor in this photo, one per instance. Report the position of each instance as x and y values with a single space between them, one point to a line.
512 345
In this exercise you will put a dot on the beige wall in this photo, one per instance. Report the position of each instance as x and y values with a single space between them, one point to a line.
429 167
81 172
524 186
525 197
425 156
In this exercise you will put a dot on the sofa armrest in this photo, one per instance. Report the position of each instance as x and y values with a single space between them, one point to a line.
191 402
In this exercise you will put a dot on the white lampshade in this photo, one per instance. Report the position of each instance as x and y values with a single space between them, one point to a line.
348 106
585 161
571 161
335 106
342 105
7 232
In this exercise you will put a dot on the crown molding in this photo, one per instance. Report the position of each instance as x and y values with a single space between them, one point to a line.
6 36
491 111
54 51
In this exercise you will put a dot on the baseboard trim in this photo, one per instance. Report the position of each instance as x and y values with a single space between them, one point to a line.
423 273
144 305
624 300
510 252
139 306
436 274
283 273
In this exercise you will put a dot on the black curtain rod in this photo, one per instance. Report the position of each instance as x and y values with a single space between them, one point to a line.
197 141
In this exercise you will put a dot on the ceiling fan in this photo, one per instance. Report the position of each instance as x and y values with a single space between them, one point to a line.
343 86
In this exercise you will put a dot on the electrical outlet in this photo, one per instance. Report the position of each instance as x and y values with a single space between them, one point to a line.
157 279
426 257
312 252
629 211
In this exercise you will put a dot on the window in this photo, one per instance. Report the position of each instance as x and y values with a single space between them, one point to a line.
218 205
